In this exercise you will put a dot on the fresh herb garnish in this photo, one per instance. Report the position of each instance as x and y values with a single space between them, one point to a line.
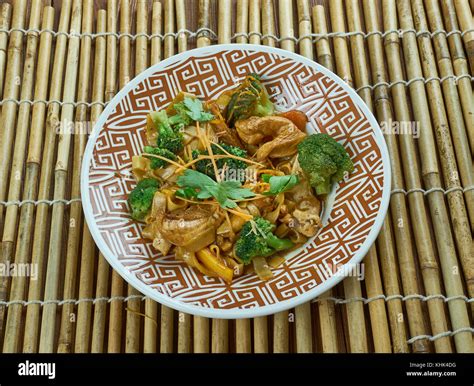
224 192
279 184
187 193
194 109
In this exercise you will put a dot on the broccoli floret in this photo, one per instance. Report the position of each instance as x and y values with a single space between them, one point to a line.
324 161
141 197
249 99
169 135
256 239
157 163
234 166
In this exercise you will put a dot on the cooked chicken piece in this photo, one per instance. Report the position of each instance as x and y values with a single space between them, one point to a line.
151 231
192 228
305 217
161 244
280 136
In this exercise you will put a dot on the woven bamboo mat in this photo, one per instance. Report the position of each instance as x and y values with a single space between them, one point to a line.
411 62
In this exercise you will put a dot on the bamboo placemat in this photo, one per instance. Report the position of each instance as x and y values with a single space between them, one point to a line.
410 60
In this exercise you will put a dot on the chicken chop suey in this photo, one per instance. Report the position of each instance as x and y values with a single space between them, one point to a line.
230 186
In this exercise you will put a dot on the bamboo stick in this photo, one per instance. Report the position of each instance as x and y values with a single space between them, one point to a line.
243 336
281 330
352 288
114 341
167 329
184 333
287 32
17 291
111 74
361 74
133 318
88 250
181 25
461 68
389 265
341 53
444 240
201 334
203 39
305 28
5 17
9 110
242 22
260 336
323 49
225 21
141 42
428 263
151 307
254 22
268 23
399 212
103 268
220 336
169 28
433 96
44 156
326 309
156 28
303 326
102 278
51 289
466 22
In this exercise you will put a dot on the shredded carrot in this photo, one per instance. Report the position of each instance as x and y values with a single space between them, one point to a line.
240 214
206 143
227 218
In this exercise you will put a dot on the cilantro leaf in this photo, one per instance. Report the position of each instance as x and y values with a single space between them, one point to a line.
186 193
196 180
279 184
235 191
195 110
224 192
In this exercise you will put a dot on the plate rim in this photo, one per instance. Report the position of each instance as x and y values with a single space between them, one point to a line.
239 312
